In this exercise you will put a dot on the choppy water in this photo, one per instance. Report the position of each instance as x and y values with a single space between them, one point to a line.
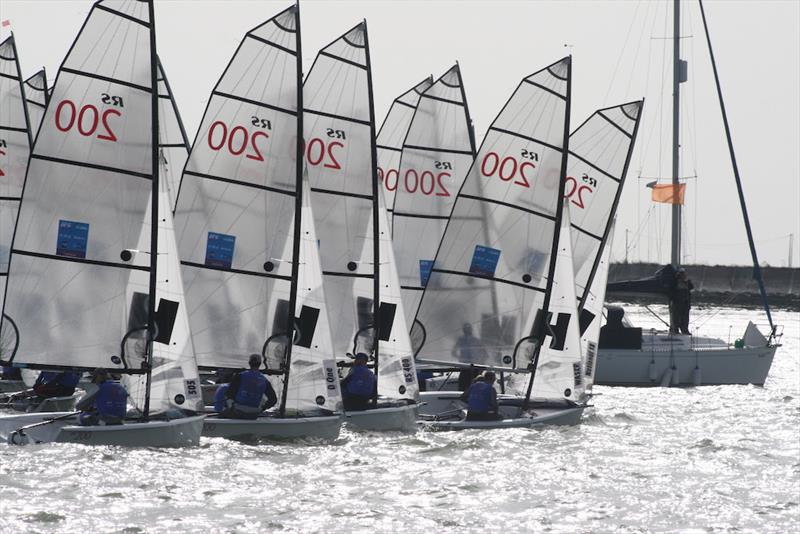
713 459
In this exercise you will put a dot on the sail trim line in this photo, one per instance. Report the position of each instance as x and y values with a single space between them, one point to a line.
35 103
10 77
254 102
547 89
92 166
521 136
406 104
615 125
588 233
509 205
420 215
106 79
341 193
444 150
394 148
595 167
81 260
347 275
11 199
241 183
13 129
236 271
440 99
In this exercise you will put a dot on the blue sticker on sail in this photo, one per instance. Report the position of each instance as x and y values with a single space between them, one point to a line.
219 250
72 239
484 260
425 267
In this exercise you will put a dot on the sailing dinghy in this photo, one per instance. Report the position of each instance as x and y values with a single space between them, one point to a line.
252 281
495 269
93 271
359 272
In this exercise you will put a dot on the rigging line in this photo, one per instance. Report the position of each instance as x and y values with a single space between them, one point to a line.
619 57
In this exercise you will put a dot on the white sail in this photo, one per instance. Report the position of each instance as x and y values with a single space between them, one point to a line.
15 141
491 273
36 99
437 154
236 208
593 305
390 140
87 193
173 144
339 153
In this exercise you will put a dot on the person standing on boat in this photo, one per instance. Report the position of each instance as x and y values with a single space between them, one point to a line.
681 302
358 387
106 405
246 392
481 399
468 349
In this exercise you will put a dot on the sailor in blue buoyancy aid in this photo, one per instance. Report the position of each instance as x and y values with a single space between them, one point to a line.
220 397
481 399
56 383
358 387
245 394
107 405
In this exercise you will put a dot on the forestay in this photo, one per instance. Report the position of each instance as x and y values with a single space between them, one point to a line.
15 143
173 144
86 196
437 154
36 99
236 208
340 154
391 136
494 269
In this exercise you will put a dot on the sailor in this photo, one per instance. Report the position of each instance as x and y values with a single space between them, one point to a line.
220 397
468 349
107 405
11 373
481 399
244 397
681 302
358 387
56 384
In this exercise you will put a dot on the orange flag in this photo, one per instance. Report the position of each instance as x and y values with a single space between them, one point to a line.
668 193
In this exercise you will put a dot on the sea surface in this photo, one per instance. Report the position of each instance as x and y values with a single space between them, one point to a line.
709 459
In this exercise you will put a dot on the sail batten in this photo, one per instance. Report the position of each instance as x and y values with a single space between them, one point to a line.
36 99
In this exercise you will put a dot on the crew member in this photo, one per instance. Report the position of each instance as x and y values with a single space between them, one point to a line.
358 387
56 384
681 302
245 394
481 399
107 405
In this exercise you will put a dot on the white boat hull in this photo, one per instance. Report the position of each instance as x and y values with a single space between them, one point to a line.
452 411
718 366
53 404
382 419
270 427
182 432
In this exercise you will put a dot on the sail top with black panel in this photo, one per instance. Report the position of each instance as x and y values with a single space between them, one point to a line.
238 201
438 151
15 143
173 143
489 288
342 171
391 135
90 186
36 99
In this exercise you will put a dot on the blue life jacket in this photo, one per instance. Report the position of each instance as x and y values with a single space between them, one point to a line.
219 398
479 398
45 377
111 399
252 386
361 381
69 380
57 378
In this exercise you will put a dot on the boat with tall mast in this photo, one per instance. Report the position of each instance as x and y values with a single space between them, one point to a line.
94 279
359 272
628 356
244 225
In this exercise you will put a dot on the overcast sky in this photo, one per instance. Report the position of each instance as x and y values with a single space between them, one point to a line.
618 50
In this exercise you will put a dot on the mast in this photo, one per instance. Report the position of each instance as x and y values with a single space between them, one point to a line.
756 267
151 304
676 118
298 209
376 257
541 328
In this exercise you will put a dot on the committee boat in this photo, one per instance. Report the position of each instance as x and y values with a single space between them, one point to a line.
94 279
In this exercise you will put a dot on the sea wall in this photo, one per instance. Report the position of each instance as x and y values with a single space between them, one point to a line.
725 284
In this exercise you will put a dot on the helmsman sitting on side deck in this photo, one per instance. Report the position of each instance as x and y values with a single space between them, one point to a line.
107 405
244 396
358 387
481 399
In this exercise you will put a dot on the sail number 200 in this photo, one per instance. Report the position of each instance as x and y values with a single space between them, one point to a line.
87 120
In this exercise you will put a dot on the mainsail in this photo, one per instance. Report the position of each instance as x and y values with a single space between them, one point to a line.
36 99
391 136
438 151
15 143
490 286
88 190
173 143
